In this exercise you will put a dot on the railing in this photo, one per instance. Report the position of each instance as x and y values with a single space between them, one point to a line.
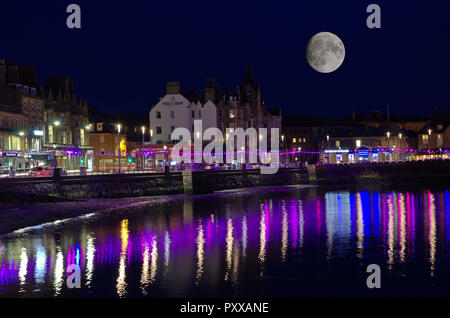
6 173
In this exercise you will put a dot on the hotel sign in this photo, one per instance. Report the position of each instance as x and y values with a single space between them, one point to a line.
172 101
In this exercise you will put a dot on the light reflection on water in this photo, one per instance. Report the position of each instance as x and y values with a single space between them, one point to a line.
240 245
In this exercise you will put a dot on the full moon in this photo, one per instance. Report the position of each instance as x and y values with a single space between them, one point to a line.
325 52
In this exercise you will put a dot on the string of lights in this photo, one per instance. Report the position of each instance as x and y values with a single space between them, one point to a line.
293 152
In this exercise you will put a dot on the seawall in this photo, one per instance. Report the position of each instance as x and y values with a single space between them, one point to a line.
138 185
203 182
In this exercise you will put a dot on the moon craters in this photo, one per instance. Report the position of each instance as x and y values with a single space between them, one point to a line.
325 52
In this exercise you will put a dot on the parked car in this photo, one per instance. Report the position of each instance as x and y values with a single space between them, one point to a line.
41 172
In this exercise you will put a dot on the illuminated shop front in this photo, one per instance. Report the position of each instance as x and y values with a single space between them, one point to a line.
358 155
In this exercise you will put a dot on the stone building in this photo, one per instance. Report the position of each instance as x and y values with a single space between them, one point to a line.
67 124
21 116
242 108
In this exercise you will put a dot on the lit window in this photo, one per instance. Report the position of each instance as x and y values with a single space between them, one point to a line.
294 140
338 144
358 143
231 113
304 139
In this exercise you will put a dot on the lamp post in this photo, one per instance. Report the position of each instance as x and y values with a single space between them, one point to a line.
429 140
56 123
118 134
388 134
299 156
142 149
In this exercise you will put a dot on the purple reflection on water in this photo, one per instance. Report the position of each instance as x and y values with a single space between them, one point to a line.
212 246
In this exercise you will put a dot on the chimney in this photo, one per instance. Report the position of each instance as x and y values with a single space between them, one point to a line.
173 87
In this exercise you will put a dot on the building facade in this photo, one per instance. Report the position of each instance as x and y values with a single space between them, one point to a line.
243 107
21 117
66 130
106 141
179 109
434 141
358 143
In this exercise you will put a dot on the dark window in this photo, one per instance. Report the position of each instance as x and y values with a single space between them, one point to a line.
158 130
158 115
193 114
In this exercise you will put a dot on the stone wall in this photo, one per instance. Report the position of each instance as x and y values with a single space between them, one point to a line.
115 186
98 186
200 182
197 182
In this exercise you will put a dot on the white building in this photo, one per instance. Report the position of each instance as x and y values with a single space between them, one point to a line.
179 109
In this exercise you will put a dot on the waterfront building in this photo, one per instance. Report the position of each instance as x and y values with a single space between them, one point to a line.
21 117
243 107
179 109
155 157
359 143
224 109
106 142
12 140
66 125
303 134
434 140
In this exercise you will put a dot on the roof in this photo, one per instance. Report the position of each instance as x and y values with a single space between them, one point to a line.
436 127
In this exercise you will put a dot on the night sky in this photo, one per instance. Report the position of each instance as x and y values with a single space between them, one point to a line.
126 51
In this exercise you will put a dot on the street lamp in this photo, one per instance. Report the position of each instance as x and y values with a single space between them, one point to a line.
143 141
118 134
429 139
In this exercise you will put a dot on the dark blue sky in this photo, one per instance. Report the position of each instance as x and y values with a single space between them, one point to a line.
126 51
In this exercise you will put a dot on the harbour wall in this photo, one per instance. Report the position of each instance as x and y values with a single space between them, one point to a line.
129 185
202 182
